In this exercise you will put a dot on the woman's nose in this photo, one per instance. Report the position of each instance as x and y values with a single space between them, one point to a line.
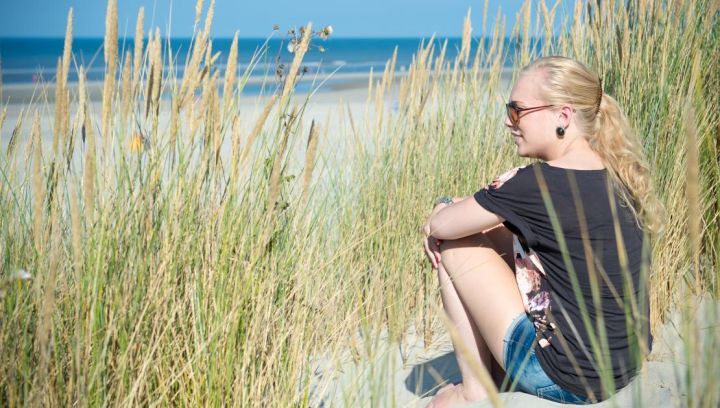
508 123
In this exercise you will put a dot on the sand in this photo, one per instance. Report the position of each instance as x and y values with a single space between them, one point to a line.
329 108
407 374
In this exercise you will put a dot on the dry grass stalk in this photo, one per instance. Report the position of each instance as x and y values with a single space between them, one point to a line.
385 84
484 17
157 68
43 332
111 58
79 118
67 48
369 99
389 74
198 11
212 121
440 66
217 131
151 77
111 36
277 168
526 21
76 226
89 171
191 76
12 143
578 38
690 126
38 185
3 115
203 107
548 19
190 118
138 51
310 153
464 55
230 74
59 103
126 97
300 51
62 95
174 125
379 110
235 150
209 19
82 101
258 127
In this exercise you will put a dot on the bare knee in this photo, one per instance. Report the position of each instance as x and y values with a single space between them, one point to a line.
455 253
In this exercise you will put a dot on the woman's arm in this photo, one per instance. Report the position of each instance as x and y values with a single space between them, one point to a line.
463 218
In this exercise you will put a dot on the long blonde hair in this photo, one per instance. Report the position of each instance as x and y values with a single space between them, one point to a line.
600 118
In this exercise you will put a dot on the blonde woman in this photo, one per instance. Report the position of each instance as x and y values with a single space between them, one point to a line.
542 272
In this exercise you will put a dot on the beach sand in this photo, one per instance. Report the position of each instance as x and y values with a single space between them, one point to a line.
350 89
329 108
408 374
340 107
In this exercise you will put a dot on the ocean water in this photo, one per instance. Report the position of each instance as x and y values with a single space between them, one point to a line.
32 60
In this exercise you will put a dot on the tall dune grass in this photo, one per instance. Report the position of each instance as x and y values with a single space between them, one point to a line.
167 270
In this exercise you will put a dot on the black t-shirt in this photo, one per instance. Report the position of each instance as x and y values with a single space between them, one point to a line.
570 232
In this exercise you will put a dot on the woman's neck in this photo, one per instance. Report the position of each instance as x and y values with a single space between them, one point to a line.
576 154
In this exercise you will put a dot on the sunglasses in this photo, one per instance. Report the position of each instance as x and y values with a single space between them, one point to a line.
514 111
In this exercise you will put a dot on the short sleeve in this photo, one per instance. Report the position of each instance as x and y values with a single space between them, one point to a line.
515 197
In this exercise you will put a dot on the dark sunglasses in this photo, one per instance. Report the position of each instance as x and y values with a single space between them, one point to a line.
514 111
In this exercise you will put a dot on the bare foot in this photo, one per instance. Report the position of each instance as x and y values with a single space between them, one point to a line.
449 396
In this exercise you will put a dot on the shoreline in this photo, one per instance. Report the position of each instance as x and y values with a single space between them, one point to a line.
19 94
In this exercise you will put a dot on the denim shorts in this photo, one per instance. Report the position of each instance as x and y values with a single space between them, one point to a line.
523 367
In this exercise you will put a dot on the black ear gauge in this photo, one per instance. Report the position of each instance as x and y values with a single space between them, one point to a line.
560 132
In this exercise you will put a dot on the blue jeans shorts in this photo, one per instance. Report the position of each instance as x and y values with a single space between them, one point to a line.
523 367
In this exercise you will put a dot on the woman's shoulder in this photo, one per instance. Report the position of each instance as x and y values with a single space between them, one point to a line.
516 174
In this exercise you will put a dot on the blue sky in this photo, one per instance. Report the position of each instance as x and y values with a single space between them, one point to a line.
349 18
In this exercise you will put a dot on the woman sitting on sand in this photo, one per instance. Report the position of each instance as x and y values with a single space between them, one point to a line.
542 272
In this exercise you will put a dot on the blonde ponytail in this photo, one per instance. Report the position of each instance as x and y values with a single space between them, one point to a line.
566 81
617 144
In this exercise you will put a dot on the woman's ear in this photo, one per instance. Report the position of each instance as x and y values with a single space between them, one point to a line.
565 115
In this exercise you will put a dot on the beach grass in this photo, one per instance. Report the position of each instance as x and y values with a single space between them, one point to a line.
146 264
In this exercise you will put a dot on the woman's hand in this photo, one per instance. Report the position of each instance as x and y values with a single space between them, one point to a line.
432 244
432 250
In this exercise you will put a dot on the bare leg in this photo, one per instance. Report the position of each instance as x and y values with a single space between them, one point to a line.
481 298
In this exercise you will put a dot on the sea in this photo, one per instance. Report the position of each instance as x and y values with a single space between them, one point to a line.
329 64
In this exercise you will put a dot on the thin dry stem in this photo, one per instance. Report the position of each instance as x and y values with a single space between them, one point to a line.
230 74
157 68
67 49
38 185
300 51
174 119
276 172
257 128
76 226
198 12
3 115
138 50
310 153
111 59
59 105
235 155
89 171
126 98
12 143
